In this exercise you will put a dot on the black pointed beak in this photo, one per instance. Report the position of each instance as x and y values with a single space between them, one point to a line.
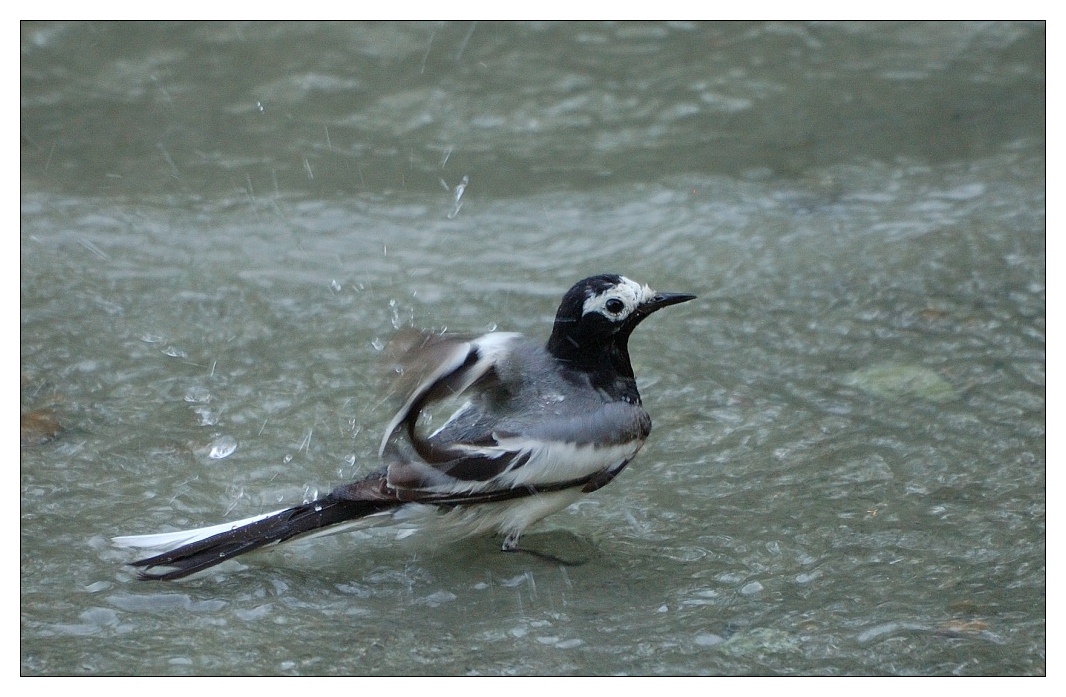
661 300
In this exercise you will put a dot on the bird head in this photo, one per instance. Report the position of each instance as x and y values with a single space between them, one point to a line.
597 315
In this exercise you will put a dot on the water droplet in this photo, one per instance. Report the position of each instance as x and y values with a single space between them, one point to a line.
396 323
751 588
457 195
207 417
198 394
222 448
708 639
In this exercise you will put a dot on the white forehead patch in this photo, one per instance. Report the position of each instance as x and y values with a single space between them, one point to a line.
630 293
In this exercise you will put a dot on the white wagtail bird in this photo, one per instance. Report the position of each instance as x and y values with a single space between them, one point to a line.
542 425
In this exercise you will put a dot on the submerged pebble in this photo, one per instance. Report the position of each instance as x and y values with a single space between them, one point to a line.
893 381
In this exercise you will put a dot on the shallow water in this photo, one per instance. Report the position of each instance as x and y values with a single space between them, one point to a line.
222 223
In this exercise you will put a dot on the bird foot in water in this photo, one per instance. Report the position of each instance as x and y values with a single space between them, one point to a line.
566 541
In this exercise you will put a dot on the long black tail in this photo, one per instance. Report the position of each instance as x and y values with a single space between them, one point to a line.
349 502
188 559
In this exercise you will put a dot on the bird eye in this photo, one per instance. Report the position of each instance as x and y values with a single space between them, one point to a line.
614 306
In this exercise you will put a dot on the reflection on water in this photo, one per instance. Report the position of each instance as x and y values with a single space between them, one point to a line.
223 223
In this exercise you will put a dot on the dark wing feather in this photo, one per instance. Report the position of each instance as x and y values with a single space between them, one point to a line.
443 366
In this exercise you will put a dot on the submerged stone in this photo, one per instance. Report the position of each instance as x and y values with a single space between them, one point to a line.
893 381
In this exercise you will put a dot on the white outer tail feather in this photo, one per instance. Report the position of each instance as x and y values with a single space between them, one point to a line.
166 540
